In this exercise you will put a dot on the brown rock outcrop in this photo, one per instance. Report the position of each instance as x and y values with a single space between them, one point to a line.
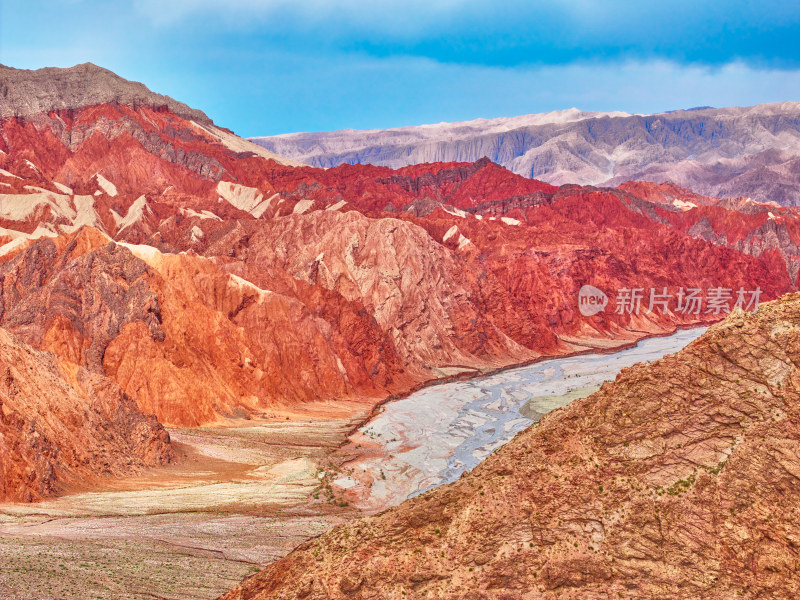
681 479
45 90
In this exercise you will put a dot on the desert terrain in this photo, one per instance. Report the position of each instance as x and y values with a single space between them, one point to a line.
236 499
242 496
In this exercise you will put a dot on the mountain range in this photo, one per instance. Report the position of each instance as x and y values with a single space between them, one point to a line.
722 152
208 270
157 270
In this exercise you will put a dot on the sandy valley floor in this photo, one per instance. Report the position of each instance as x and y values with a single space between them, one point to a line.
238 499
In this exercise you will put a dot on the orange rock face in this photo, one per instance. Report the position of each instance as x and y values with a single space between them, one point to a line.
232 348
189 341
62 426
678 480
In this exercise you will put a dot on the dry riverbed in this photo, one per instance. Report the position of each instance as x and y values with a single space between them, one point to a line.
236 500
432 436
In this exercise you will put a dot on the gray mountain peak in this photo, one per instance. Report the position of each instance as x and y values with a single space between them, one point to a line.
727 152
29 92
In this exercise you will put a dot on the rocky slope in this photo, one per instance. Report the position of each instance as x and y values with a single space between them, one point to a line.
188 341
679 479
62 426
727 152
214 283
25 93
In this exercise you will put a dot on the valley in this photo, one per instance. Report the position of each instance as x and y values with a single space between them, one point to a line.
679 479
226 372
236 499
240 497
431 437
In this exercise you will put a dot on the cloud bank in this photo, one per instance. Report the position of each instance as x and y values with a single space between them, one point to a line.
274 66
512 32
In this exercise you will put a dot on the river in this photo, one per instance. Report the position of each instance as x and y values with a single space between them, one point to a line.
432 436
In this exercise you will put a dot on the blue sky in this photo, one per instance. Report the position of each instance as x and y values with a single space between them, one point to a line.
262 67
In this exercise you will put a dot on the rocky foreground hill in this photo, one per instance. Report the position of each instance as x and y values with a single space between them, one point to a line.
723 152
681 479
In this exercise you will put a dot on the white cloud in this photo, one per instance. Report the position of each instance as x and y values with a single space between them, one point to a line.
380 15
344 91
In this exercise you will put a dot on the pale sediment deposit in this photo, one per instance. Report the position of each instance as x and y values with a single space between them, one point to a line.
236 500
433 436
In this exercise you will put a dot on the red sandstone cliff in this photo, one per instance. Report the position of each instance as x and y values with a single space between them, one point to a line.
61 425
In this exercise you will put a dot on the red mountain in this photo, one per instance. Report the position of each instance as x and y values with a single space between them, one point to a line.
210 281
157 268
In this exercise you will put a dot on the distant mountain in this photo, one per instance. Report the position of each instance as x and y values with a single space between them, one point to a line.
724 152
